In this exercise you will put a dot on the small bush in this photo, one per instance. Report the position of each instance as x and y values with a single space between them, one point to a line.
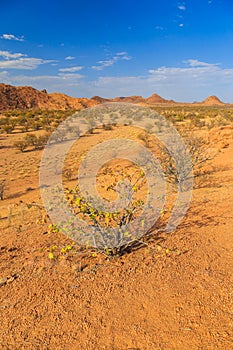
21 145
32 140
112 228
178 172
107 127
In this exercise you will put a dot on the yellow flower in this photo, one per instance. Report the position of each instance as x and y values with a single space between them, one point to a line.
51 255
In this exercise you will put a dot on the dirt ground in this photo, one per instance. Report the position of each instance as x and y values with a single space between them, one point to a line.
174 293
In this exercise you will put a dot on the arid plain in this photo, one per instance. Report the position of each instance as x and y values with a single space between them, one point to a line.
167 292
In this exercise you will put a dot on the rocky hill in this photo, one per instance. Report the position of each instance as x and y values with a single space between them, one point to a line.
26 97
99 99
212 101
153 99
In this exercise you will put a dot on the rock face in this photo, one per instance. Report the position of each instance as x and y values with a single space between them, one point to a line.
26 97
21 97
153 99
212 101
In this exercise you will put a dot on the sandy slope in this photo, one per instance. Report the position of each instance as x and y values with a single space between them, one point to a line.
173 294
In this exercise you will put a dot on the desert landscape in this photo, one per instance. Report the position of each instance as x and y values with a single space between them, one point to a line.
116 175
170 291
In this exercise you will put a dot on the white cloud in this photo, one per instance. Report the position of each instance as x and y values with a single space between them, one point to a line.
8 55
110 62
197 69
70 76
71 69
181 25
69 58
103 64
70 84
182 7
12 37
122 53
23 63
196 63
20 61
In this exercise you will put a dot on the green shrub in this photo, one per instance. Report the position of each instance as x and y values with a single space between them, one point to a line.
21 145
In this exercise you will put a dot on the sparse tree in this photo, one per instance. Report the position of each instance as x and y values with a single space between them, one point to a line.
21 145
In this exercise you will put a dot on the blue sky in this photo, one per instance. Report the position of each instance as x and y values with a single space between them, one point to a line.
182 50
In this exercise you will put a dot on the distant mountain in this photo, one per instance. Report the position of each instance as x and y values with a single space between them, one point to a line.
212 101
153 99
129 99
99 99
26 97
